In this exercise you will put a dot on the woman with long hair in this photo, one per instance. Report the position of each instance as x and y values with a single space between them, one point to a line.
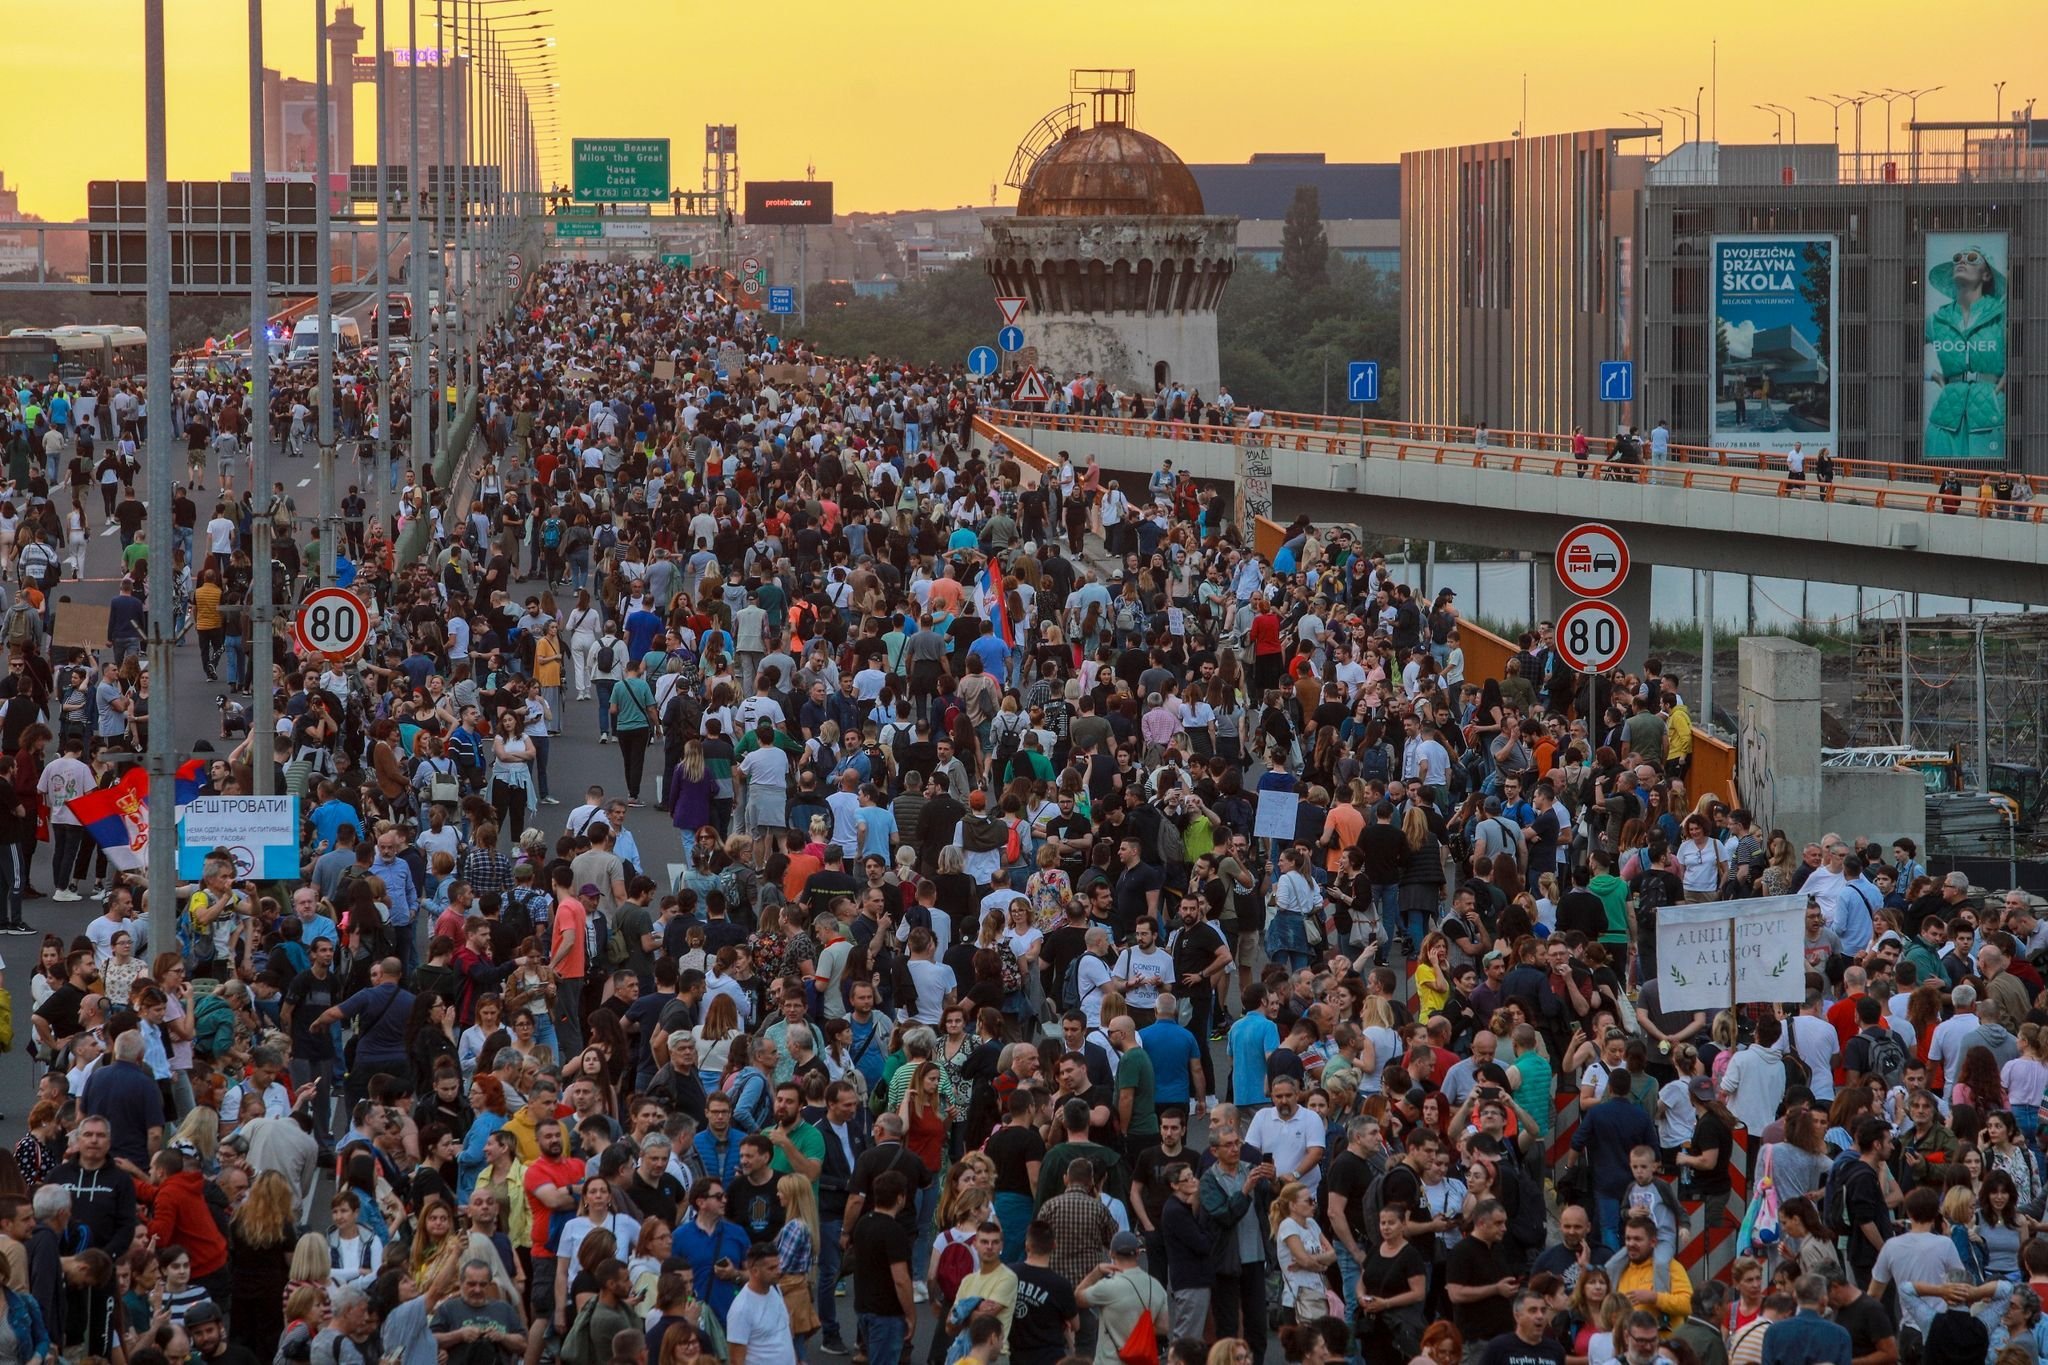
797 1247
1923 1012
1805 1238
487 1101
2003 1152
691 790
1303 1253
1977 1082
2001 1225
1422 878
714 1039
1433 975
261 1237
1799 1164
1391 1283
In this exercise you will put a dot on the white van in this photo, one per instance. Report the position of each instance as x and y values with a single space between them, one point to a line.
345 332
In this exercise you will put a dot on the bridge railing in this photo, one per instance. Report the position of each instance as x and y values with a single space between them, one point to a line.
1868 483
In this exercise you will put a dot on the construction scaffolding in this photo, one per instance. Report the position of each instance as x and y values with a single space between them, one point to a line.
1970 685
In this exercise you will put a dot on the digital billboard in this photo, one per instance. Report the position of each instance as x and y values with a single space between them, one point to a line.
789 203
1772 370
1963 386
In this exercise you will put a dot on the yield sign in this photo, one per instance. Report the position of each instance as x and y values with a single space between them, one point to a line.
1031 388
1011 305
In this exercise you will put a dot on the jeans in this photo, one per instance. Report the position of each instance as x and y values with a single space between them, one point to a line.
884 1338
1388 898
1013 1213
828 1276
604 704
1607 1218
921 1245
17 873
540 762
321 1073
66 840
568 1013
405 939
231 659
633 749
1239 1302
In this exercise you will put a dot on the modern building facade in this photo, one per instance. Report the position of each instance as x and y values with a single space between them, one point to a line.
1923 348
1516 278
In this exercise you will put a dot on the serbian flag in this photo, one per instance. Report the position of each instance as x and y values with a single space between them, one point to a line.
192 782
993 604
117 818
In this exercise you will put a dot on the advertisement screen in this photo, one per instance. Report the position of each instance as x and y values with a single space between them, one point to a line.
301 119
1772 350
789 203
1964 386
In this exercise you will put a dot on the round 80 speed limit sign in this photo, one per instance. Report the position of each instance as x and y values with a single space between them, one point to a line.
1592 636
333 622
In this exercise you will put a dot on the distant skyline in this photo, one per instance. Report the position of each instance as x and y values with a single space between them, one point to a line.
927 116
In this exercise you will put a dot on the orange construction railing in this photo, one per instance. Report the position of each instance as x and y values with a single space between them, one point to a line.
1895 487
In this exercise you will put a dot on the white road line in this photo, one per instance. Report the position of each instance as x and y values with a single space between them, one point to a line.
304 482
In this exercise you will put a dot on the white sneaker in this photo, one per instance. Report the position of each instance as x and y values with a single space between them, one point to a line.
65 895
919 1292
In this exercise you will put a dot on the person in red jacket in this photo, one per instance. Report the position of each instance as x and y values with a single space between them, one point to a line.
180 1216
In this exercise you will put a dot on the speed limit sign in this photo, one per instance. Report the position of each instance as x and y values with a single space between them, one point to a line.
333 622
1592 636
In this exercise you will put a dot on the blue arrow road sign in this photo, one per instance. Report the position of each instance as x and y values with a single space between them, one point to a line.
1617 381
781 298
1364 386
1011 338
982 361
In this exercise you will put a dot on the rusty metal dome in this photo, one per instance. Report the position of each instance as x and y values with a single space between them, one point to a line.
1105 171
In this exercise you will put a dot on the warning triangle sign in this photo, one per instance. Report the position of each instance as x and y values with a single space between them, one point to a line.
1031 388
1012 305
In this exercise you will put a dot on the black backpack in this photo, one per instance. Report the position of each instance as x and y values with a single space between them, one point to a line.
1887 1056
607 655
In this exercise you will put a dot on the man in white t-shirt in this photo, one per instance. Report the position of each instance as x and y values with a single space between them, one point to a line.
1290 1134
120 917
934 980
1142 970
1816 1042
66 779
757 1324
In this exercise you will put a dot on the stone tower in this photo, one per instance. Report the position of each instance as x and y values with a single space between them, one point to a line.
1121 268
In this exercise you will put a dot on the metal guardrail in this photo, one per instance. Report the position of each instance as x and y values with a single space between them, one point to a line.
1869 483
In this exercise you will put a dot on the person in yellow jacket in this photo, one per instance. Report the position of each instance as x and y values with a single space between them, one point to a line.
1646 1277
1678 739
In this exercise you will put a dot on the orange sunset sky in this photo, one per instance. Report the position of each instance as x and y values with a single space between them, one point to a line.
909 106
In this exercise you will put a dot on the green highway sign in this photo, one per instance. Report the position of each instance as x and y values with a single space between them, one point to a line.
576 211
575 229
614 170
672 258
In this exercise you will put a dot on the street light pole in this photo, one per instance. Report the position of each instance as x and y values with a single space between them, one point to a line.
420 410
263 588
380 462
162 581
324 250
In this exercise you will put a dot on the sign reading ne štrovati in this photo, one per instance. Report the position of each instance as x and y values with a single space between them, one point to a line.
619 170
1772 350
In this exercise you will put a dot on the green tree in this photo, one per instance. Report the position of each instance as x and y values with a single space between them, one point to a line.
1304 245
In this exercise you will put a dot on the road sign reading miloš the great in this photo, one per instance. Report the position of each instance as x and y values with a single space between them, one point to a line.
620 170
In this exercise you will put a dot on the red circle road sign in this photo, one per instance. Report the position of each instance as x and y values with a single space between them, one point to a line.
1592 636
1591 559
334 622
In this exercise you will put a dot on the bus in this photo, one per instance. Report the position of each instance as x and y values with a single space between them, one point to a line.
73 352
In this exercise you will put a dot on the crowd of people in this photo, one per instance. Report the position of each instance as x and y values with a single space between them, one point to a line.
1072 935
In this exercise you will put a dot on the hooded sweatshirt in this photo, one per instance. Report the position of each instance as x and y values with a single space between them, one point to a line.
182 1218
103 1203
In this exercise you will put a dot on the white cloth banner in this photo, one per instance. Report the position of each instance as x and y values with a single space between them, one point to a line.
1275 817
1694 961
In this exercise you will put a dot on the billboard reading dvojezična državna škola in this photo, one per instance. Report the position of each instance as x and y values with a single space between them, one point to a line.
1963 384
1773 343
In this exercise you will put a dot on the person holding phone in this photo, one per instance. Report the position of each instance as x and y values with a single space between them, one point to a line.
1480 1278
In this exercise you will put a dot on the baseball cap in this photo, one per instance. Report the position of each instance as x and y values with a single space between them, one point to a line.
201 1313
1125 1244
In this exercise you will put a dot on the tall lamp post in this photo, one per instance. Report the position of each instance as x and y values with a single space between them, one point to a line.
163 843
263 607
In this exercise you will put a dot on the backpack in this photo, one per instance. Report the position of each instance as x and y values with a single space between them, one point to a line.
607 655
1375 764
1173 850
1887 1056
956 1263
1834 1197
612 946
21 627
1797 1072
1070 983
1127 616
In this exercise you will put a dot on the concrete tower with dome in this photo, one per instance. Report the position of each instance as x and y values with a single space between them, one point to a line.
1120 267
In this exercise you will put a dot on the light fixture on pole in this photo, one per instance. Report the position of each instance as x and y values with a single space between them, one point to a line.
1858 100
1778 121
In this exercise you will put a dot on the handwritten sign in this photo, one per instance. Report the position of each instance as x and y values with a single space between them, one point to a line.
1275 818
1718 953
